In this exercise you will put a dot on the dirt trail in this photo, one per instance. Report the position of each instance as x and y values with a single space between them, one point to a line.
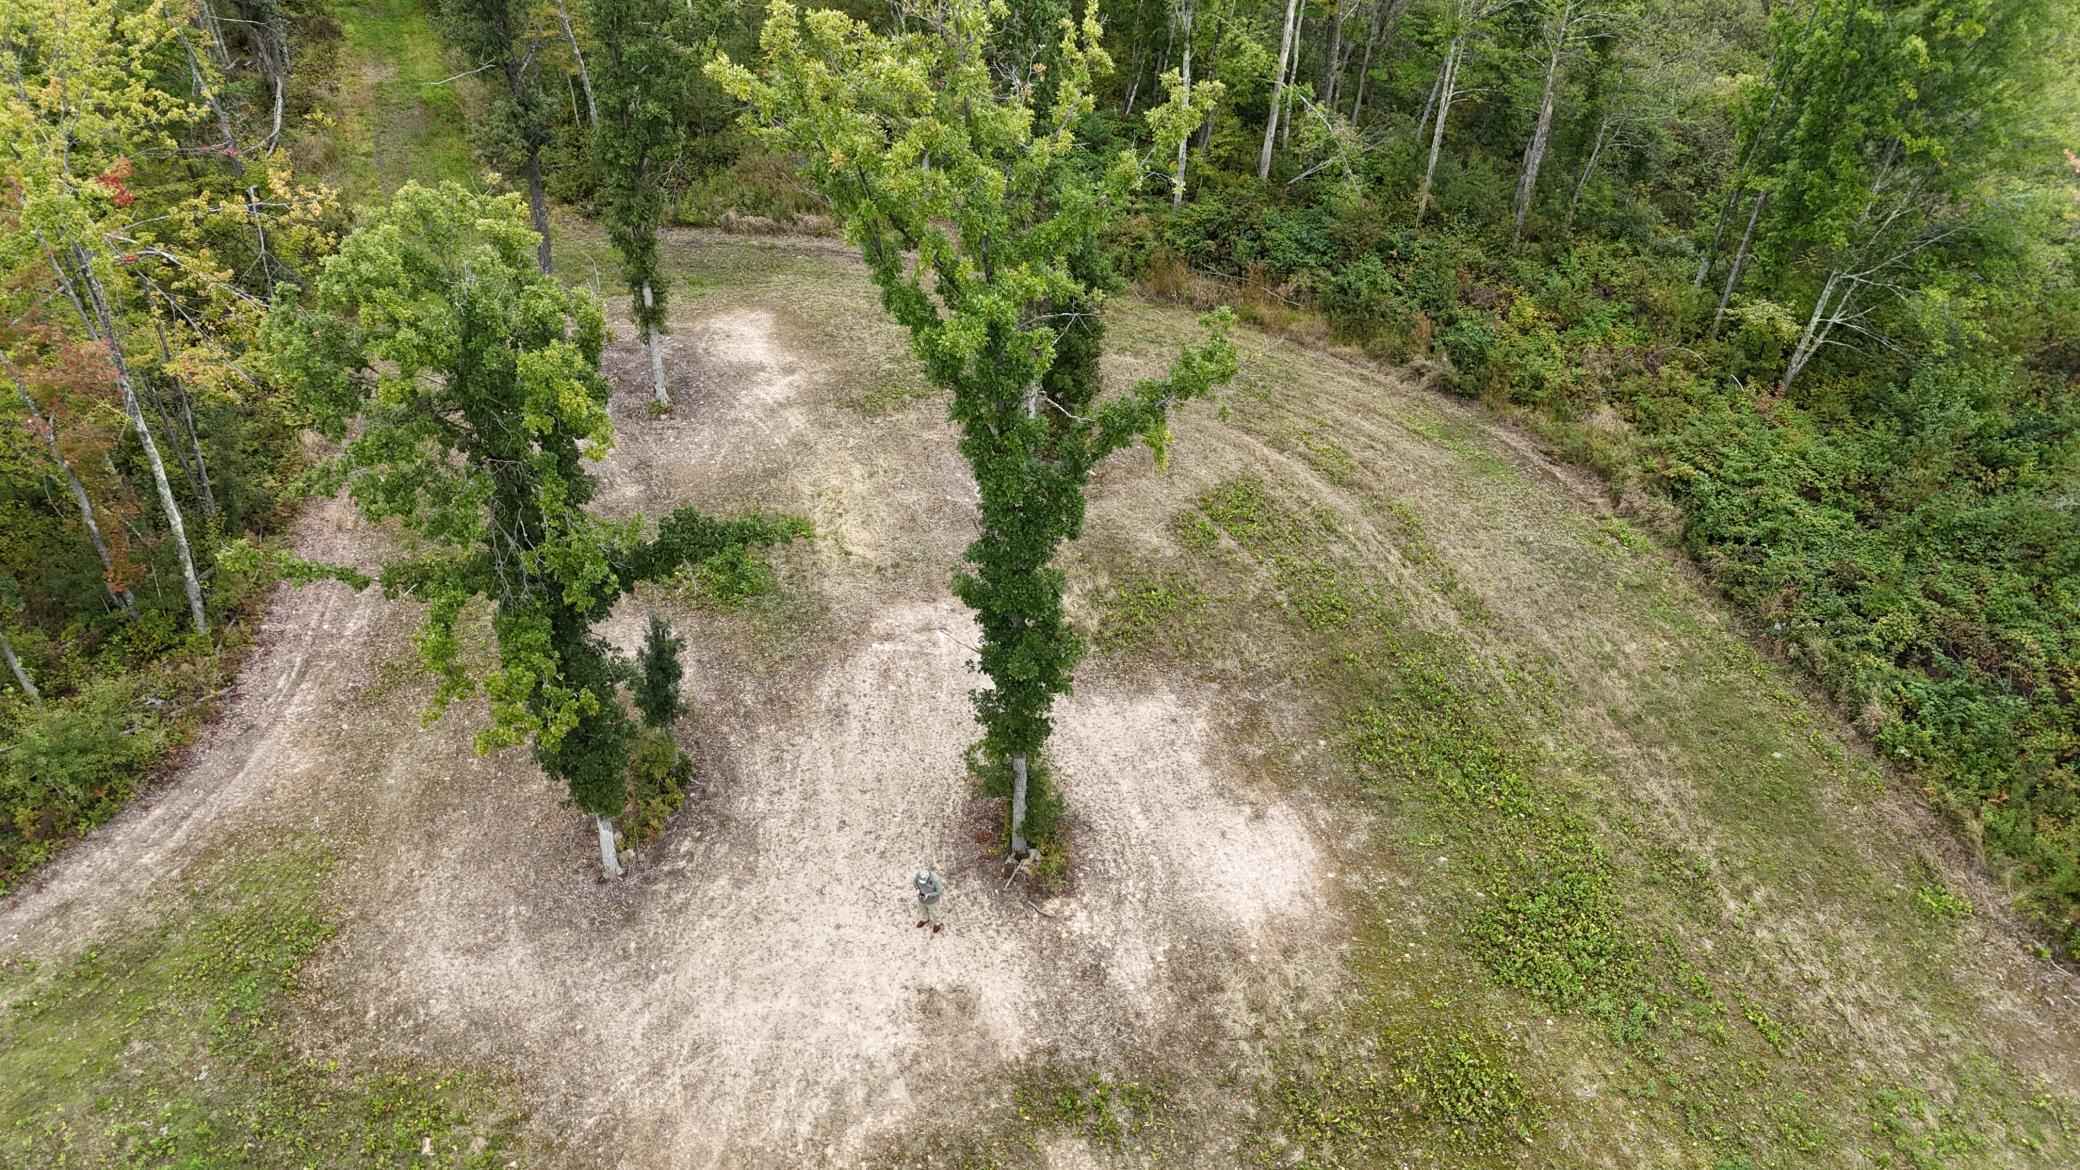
757 993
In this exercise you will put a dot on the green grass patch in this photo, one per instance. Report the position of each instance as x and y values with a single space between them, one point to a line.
391 123
170 1047
1149 611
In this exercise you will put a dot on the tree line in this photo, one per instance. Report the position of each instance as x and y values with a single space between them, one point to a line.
1803 272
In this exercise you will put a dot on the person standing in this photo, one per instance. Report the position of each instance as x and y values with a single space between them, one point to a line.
931 889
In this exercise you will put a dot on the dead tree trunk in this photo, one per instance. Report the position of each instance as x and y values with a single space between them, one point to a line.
189 580
609 857
1603 127
1740 261
1278 92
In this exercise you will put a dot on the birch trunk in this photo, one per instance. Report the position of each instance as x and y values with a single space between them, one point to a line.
209 495
1285 117
584 76
21 673
121 594
1535 153
1817 327
1278 92
664 396
1446 82
1183 144
1379 12
1603 128
1019 847
609 860
1740 261
131 408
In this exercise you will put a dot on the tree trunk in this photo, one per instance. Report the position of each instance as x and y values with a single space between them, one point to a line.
209 495
1019 847
1379 12
120 593
1183 144
1446 82
1817 328
1285 118
1331 59
1603 128
1213 64
1535 153
1278 92
538 205
212 28
21 673
609 859
189 581
1740 261
664 396
584 77
1740 174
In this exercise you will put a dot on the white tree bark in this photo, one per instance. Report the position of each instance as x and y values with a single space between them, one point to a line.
1278 91
21 673
609 860
664 396
189 580
1183 144
1740 261
584 75
1285 117
1019 847
1828 311
1447 81
1535 153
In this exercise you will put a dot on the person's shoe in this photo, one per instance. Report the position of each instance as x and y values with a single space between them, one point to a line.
920 924
937 927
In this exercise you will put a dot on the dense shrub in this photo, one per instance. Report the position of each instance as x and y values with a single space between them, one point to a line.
69 765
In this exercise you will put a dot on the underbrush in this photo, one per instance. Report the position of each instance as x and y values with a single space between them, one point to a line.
115 709
1897 526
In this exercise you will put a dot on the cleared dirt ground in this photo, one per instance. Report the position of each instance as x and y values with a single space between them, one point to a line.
756 993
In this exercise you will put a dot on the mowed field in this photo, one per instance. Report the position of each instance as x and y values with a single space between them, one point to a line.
1421 813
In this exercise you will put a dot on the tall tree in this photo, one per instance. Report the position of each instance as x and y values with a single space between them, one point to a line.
65 363
1901 123
645 84
1465 20
75 110
475 381
978 214
1563 25
1278 89
508 35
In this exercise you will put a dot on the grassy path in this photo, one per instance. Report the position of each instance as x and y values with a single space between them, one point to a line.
395 123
